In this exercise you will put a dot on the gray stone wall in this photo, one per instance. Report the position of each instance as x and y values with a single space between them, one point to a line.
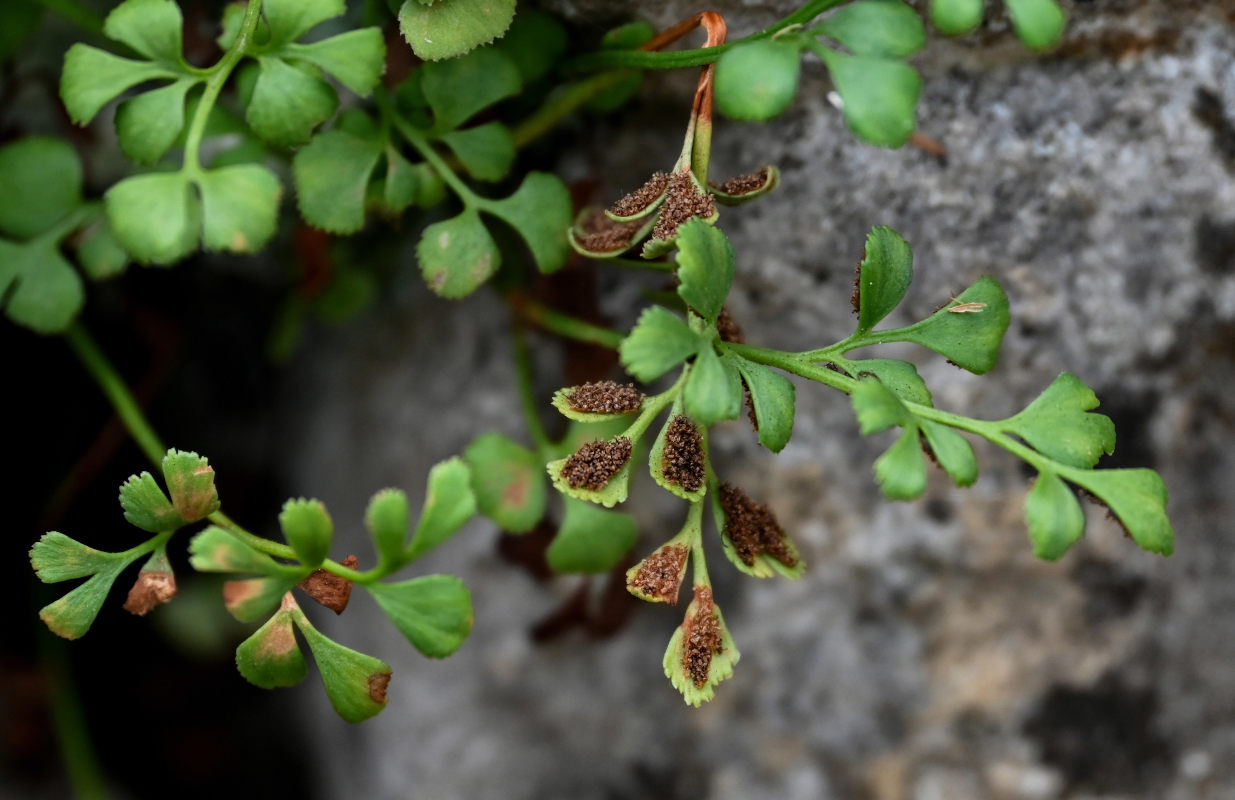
925 654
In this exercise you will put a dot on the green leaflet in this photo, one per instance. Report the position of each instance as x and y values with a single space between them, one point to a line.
1054 516
880 28
332 174
355 683
459 88
883 276
956 17
879 95
307 527
271 658
288 103
387 519
713 389
535 43
969 336
149 123
486 151
42 182
706 263
1057 424
216 550
449 503
757 80
457 255
658 343
156 217
540 212
900 377
240 206
56 557
1038 23
877 407
590 540
901 470
1138 498
772 396
72 615
434 612
953 453
508 482
251 599
450 28
47 293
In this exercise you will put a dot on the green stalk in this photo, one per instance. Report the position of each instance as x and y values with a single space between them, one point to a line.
219 74
81 761
416 138
562 104
565 325
640 59
527 394
116 391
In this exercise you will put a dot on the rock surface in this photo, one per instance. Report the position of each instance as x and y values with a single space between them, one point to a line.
926 654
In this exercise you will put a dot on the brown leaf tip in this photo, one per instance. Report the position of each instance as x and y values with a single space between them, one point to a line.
744 184
702 638
682 463
593 464
730 330
378 682
683 202
605 397
603 235
660 574
332 591
642 197
150 590
753 529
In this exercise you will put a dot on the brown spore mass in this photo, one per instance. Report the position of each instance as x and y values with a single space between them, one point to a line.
730 330
332 591
745 184
683 202
682 462
855 299
753 529
378 682
593 464
151 589
642 197
605 397
702 638
603 235
660 575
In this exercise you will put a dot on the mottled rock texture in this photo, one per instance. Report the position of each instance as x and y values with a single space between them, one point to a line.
925 654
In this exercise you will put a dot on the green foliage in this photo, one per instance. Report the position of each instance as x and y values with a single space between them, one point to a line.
657 344
271 658
387 519
355 683
1039 23
1058 424
41 206
757 81
877 28
879 96
772 397
713 389
956 17
449 503
590 539
449 28
434 612
507 481
705 268
308 529
883 276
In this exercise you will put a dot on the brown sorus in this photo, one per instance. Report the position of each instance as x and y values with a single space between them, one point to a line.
855 299
603 235
730 330
593 464
660 574
682 462
642 197
683 202
332 591
744 184
701 638
605 397
753 529
151 589
378 682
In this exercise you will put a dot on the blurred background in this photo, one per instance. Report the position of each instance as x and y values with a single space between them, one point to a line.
924 655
